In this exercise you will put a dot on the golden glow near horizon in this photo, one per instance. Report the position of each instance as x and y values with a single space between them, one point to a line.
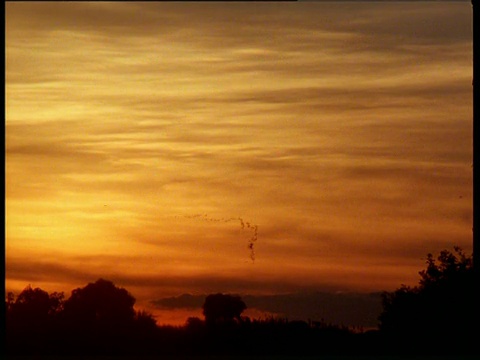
134 131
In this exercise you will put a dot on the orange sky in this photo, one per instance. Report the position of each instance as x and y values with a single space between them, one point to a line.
342 131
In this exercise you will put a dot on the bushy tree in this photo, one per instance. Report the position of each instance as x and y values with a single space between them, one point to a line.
194 324
32 310
144 322
31 319
97 319
223 308
100 305
440 307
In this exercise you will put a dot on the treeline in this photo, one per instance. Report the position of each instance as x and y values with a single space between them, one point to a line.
435 317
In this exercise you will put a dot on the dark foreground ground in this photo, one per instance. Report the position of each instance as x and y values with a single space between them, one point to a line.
265 357
221 344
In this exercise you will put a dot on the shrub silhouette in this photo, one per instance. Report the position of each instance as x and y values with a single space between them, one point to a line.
100 305
33 308
144 321
31 318
99 319
194 324
223 309
440 308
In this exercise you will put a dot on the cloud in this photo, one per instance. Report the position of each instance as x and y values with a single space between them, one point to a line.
353 309
419 23
358 309
184 301
144 277
343 130
279 37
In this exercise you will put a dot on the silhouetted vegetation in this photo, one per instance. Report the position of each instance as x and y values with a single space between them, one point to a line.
98 318
433 318
440 310
221 309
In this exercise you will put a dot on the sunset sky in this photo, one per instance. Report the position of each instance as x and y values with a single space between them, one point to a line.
152 144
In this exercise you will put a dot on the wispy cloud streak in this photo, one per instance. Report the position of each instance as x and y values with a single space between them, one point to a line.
341 133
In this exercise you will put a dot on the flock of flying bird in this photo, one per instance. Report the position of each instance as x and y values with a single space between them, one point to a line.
243 224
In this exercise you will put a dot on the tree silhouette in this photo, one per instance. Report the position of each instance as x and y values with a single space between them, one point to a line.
99 319
31 318
100 305
223 309
440 308
33 309
96 318
194 324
